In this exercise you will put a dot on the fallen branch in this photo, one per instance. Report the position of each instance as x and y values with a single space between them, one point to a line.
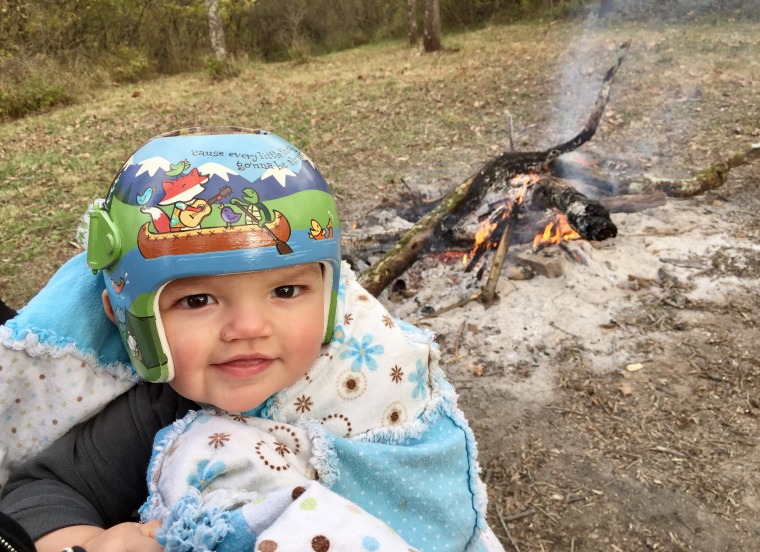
469 193
488 294
474 297
708 179
506 530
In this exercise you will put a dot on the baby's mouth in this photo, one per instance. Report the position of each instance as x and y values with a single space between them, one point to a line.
244 366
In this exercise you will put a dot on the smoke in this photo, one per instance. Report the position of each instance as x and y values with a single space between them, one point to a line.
578 83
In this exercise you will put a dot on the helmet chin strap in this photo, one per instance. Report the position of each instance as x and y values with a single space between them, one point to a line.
162 335
327 278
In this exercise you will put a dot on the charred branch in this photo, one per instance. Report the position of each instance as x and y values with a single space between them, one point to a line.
488 294
586 216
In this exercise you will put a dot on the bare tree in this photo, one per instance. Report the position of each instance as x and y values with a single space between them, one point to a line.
432 36
295 14
605 8
215 29
411 18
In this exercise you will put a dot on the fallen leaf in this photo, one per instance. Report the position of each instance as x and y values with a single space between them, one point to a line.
625 389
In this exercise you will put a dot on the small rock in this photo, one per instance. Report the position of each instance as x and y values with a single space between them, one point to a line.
519 272
427 310
550 267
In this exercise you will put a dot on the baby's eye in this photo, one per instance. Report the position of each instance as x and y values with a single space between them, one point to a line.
287 292
196 301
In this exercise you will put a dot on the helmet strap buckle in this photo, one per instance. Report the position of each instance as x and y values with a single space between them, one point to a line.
103 242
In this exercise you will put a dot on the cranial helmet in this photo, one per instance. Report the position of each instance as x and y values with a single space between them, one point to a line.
207 201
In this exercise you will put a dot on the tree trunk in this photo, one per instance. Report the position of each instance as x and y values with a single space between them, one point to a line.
605 8
216 31
432 35
411 19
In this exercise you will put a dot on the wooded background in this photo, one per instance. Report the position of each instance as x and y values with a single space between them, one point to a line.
55 51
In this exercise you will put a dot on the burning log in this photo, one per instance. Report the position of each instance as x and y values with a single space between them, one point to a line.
493 227
708 179
470 192
586 216
487 294
533 222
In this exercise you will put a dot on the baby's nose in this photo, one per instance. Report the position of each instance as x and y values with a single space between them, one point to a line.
246 324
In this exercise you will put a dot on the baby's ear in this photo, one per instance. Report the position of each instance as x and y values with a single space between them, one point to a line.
107 307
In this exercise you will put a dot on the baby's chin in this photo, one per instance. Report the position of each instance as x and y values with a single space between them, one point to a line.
234 407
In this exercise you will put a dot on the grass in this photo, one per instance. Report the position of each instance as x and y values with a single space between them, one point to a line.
376 116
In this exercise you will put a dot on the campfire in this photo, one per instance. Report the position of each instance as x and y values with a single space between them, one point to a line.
556 230
547 199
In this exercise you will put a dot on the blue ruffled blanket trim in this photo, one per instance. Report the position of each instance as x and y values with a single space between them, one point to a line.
192 526
66 318
189 524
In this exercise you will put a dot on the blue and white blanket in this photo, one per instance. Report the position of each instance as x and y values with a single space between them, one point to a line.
372 432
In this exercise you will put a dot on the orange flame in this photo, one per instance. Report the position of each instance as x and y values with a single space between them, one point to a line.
487 227
484 231
482 235
556 232
523 180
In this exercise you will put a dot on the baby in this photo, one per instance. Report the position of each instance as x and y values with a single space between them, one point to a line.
317 421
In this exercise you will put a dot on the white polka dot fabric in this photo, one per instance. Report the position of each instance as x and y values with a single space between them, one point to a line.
43 395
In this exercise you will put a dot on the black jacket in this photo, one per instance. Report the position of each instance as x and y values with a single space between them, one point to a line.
6 313
13 538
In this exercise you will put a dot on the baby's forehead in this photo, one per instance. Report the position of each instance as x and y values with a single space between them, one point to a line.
306 270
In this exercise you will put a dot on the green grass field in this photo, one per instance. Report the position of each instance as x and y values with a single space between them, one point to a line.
369 118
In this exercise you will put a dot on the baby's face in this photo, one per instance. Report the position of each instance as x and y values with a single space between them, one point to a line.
237 339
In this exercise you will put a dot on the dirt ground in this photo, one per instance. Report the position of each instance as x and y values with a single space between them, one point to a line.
617 405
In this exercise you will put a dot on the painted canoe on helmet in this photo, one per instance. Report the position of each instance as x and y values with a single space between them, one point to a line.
219 238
